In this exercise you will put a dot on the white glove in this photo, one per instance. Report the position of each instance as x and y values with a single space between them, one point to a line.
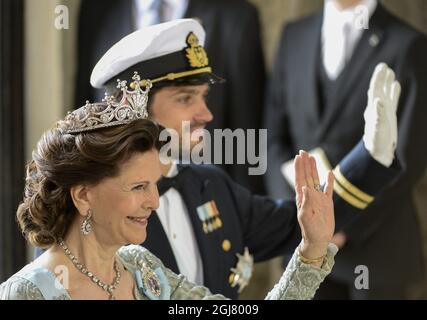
322 162
380 136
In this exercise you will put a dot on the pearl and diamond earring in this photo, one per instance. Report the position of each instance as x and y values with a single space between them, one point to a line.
86 226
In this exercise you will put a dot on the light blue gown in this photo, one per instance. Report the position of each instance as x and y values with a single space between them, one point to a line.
154 281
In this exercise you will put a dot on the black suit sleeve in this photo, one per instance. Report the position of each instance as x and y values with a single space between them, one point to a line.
277 123
359 180
270 227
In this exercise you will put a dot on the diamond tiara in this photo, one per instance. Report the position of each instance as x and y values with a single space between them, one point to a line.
132 106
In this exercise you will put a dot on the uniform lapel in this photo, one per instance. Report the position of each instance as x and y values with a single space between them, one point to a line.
195 192
347 81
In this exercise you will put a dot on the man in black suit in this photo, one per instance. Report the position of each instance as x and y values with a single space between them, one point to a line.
232 43
316 100
205 219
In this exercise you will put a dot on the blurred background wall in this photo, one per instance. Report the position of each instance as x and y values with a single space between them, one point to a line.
50 65
275 13
50 52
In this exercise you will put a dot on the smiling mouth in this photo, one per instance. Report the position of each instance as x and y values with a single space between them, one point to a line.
139 220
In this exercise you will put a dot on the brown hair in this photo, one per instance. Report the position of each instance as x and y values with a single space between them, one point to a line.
62 161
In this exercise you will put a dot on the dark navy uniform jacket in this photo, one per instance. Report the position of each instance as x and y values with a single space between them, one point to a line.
267 227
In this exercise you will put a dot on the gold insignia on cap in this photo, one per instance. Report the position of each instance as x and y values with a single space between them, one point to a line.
226 245
196 54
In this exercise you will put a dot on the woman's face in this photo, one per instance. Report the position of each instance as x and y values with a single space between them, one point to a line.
122 205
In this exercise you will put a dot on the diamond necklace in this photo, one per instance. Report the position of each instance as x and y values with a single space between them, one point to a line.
109 288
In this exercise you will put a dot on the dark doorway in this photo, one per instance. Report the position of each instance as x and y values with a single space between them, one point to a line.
12 244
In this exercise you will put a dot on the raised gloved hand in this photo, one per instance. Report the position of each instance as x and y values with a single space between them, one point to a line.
380 136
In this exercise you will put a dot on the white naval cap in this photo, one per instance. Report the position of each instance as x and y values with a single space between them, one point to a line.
162 52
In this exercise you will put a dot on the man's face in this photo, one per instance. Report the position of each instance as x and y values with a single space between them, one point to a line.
173 105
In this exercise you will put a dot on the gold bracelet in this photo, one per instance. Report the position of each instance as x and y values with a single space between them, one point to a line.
310 261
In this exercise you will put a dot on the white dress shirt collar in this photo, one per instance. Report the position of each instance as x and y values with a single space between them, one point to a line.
341 31
175 219
334 16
